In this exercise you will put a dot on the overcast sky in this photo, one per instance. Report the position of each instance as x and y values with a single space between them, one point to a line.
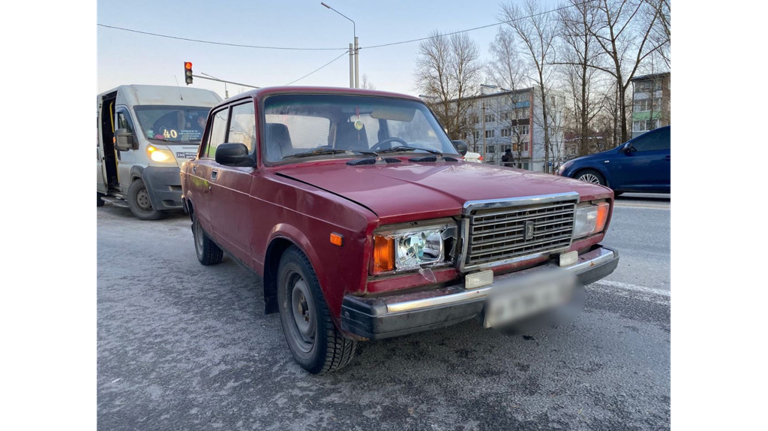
130 58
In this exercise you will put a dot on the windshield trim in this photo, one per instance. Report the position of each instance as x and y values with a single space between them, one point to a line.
263 122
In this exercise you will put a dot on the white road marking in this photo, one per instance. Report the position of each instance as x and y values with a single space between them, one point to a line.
659 296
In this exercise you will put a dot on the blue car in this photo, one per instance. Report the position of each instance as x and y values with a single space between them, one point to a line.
641 165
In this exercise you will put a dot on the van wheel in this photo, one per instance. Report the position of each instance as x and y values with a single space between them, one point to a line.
99 202
591 176
208 253
139 203
314 341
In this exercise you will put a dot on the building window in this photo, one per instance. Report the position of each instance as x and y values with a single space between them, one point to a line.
476 134
504 117
490 118
645 125
506 132
648 105
522 129
474 118
490 133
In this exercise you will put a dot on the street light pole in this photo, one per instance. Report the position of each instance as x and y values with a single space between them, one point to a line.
353 74
226 93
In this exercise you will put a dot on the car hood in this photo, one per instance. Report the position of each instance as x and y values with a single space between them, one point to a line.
412 191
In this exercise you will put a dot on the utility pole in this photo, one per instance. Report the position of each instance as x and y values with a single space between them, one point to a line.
357 64
352 52
485 156
351 67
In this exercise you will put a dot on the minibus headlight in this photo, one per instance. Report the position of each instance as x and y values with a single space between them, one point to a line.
159 155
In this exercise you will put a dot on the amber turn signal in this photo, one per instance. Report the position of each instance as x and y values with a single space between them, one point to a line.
336 239
602 216
383 254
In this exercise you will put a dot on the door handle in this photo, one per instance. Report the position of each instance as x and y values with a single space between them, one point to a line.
194 169
214 174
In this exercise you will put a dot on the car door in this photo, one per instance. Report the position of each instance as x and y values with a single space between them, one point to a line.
202 170
638 166
101 175
231 186
125 159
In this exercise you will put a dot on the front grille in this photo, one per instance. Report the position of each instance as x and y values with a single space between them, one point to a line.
500 234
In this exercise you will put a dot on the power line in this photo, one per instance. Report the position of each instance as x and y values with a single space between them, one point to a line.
219 43
474 28
326 64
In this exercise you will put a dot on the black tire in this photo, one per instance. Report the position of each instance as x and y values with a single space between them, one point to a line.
590 176
208 253
318 346
138 202
99 202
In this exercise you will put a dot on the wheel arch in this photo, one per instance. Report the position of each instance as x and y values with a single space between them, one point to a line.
281 238
137 173
599 169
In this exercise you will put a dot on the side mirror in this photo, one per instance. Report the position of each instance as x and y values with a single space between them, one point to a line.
234 155
461 147
124 140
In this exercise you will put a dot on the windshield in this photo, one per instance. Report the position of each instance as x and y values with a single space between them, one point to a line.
172 124
340 126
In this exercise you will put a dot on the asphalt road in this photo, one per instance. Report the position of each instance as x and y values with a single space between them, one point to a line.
182 346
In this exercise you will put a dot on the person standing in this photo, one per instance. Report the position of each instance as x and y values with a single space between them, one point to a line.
507 159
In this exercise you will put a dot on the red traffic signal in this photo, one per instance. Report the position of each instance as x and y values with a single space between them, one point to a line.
188 72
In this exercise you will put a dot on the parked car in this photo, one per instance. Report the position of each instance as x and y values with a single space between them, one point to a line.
473 157
144 134
356 211
640 165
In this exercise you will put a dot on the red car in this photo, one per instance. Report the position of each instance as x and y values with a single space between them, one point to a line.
363 222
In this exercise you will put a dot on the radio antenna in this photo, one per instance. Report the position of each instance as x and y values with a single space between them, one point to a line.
177 86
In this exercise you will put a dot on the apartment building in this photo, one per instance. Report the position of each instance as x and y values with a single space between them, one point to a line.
651 102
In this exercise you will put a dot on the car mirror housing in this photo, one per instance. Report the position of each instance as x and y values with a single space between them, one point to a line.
461 147
125 140
233 154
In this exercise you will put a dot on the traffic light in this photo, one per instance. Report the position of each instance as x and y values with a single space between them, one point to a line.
188 71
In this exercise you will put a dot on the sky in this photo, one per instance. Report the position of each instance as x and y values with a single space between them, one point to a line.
130 58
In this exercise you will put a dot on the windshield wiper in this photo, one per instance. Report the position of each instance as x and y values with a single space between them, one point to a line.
410 148
329 151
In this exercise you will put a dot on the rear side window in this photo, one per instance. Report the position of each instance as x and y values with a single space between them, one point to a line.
218 133
242 128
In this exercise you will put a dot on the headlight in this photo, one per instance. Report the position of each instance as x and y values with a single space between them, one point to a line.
590 218
159 155
413 248
564 166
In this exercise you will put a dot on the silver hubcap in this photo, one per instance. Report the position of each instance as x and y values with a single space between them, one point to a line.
590 178
142 198
301 310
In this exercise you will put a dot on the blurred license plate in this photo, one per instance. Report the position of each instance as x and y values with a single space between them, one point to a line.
527 298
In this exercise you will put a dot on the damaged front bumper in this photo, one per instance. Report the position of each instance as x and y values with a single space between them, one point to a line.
396 315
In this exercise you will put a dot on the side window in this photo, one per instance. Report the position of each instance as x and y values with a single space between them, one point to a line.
242 128
218 132
124 120
652 141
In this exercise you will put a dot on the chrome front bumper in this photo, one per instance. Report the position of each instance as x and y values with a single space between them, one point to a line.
395 315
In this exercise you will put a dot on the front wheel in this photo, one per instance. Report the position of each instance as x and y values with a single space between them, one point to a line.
139 203
590 176
312 337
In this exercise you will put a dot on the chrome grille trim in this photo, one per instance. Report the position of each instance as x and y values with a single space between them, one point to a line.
493 230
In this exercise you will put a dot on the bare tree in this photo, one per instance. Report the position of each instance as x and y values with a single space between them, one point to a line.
367 84
537 32
625 41
507 71
448 72
579 52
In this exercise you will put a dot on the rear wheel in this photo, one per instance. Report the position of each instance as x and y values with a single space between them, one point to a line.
312 337
590 176
139 203
208 253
